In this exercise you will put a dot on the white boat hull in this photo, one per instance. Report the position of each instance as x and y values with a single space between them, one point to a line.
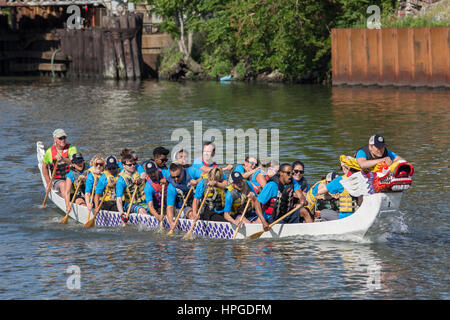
355 225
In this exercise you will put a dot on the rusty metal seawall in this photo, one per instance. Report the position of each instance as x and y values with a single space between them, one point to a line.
397 56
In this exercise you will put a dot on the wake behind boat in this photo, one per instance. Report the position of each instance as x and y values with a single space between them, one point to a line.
374 206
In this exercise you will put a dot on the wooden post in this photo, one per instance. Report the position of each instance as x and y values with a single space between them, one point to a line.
88 53
134 45
118 48
123 20
97 49
109 56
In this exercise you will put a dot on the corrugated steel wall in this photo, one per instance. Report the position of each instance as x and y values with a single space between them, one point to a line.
403 56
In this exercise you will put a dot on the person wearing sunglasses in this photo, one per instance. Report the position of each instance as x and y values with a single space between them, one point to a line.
248 168
61 151
298 177
160 158
129 179
97 164
107 185
139 168
77 175
180 181
277 198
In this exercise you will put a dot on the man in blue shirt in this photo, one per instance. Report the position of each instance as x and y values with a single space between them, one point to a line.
77 175
375 152
276 199
153 190
236 199
180 181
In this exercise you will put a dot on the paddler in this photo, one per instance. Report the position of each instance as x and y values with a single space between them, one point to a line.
180 181
97 164
77 175
215 199
206 163
375 152
324 206
107 183
236 199
248 168
128 179
277 198
153 190
61 151
347 203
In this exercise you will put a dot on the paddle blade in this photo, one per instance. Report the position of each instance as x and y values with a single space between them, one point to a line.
65 219
187 236
90 223
256 235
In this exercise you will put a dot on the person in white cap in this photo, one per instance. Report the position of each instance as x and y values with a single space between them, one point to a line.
63 152
375 152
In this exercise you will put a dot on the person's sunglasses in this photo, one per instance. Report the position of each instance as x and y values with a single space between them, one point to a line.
299 171
164 160
289 173
176 177
130 164
62 138
100 164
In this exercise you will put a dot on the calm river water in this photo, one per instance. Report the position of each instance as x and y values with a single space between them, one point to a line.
316 124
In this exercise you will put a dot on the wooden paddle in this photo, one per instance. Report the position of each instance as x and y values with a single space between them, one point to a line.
181 210
69 208
259 233
90 223
49 187
242 218
92 196
188 234
161 224
129 206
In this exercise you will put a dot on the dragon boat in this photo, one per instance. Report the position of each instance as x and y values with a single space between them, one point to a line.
381 198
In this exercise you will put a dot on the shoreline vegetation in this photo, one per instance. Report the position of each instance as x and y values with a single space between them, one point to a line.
268 40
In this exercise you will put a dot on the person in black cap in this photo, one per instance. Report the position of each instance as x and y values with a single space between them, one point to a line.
107 184
77 174
375 152
153 190
236 198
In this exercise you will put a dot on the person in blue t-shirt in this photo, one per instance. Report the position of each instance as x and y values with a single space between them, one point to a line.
375 152
107 184
236 199
276 199
180 181
297 177
153 190
77 175
248 168
347 203
97 164
215 197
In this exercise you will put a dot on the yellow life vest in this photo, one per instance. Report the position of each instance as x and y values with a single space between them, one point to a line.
239 199
347 203
215 199
312 198
110 193
130 180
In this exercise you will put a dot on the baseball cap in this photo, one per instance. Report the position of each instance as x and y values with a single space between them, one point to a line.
150 167
77 157
58 133
111 162
237 177
377 141
331 176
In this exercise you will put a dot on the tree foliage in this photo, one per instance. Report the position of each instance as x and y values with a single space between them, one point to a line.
248 37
